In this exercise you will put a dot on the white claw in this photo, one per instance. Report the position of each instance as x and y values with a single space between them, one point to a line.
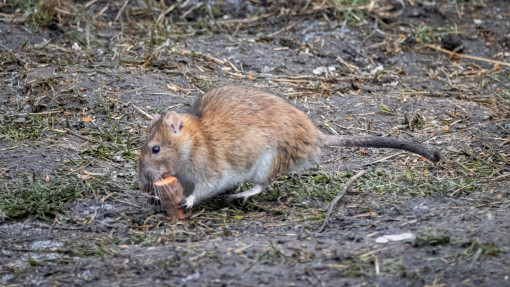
190 201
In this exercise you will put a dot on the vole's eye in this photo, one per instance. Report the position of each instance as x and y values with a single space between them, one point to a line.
156 149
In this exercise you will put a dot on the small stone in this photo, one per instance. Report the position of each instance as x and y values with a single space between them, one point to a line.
451 42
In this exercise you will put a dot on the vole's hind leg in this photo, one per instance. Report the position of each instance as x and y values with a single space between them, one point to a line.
256 189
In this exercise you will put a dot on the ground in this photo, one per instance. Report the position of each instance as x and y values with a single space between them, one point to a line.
79 79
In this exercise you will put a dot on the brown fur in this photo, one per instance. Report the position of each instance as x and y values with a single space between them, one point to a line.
229 135
241 120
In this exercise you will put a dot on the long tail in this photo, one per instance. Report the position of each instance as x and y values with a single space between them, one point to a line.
382 142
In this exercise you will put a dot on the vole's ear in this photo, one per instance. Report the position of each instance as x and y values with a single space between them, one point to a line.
155 119
173 121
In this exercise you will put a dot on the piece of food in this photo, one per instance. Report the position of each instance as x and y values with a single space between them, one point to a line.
170 198
167 180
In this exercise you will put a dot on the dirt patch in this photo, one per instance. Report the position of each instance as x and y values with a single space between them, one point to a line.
77 82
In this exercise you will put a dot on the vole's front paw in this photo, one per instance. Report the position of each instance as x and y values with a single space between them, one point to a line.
187 203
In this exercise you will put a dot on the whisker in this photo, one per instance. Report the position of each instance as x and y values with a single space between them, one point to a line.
157 192
169 192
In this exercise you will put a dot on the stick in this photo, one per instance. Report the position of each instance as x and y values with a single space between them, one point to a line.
82 137
90 3
343 190
163 14
189 53
468 56
284 29
13 54
230 21
85 138
142 112
383 159
121 10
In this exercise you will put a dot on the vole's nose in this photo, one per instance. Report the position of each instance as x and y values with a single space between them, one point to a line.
152 174
146 177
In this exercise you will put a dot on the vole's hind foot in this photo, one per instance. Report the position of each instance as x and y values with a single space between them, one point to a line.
187 203
256 189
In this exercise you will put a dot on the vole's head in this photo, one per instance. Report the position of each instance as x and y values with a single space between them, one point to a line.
160 154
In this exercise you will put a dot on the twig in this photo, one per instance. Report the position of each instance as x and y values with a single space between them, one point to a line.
343 190
163 14
230 21
284 29
42 113
189 53
349 66
82 137
13 54
383 159
142 111
461 188
9 148
90 3
121 10
447 78
183 15
127 202
11 18
468 56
